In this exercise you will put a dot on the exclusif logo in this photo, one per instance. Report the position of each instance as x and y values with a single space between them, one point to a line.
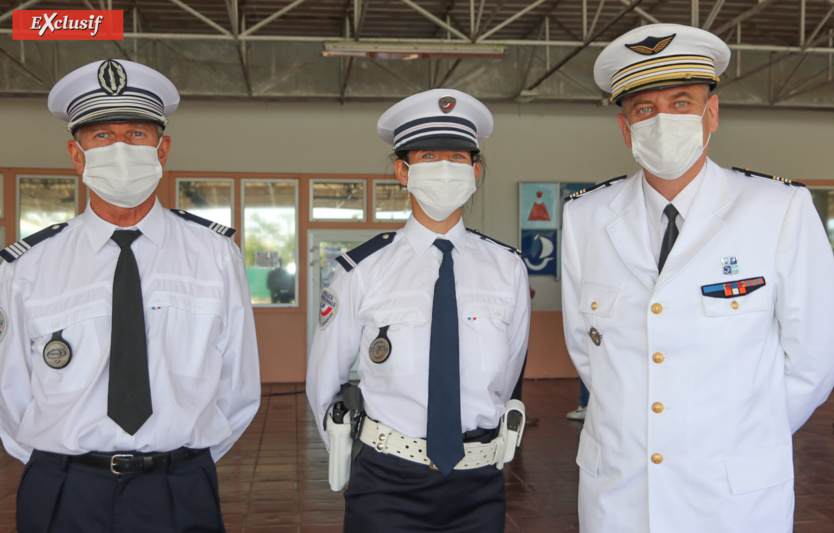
67 25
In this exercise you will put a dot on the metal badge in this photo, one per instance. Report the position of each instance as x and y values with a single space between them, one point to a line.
57 352
447 103
595 335
380 348
729 265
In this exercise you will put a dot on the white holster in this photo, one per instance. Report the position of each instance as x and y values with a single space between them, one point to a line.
512 429
341 443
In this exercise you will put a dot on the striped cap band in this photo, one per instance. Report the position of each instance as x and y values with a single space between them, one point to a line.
435 128
684 68
97 105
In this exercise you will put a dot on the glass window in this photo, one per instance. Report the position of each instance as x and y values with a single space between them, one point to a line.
270 215
824 202
45 200
391 201
337 200
209 198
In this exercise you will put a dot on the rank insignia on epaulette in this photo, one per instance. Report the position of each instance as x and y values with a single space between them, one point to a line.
226 231
749 173
602 185
14 251
507 247
733 288
350 259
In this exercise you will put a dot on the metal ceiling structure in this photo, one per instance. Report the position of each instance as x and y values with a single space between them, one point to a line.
498 50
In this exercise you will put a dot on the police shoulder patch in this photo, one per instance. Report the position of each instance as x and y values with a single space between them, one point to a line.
14 251
350 259
749 173
598 186
328 308
226 231
493 241
4 325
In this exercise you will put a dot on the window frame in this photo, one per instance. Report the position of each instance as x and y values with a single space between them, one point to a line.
230 181
364 183
20 177
374 203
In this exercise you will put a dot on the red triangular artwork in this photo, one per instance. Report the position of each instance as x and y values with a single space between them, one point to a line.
539 212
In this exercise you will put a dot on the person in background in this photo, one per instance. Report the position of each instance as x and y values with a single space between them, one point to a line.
439 316
584 396
697 305
128 358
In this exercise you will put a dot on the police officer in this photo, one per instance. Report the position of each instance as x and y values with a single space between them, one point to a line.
439 316
128 359
697 308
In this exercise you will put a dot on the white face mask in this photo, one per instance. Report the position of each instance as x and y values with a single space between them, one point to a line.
668 145
124 175
440 187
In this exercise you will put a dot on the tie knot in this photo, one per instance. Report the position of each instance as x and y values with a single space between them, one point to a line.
444 245
670 212
124 238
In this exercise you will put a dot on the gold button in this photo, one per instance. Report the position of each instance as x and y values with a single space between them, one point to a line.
657 458
657 407
657 309
380 446
735 305
382 436
658 357
594 306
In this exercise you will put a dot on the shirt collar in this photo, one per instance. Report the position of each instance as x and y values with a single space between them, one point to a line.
99 230
421 238
656 203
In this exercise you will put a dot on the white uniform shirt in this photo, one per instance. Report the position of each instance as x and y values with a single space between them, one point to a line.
395 287
656 203
202 351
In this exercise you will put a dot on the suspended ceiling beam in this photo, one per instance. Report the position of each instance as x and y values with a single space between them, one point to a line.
280 13
440 23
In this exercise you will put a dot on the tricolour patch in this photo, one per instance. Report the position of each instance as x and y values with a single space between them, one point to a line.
733 288
329 307
651 45
3 324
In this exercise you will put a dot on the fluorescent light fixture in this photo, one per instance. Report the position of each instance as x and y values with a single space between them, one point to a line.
408 51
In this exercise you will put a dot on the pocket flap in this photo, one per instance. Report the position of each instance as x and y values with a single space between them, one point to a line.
199 306
759 470
481 310
40 326
742 303
587 456
401 315
598 299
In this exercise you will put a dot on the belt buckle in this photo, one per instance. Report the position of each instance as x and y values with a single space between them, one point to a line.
118 456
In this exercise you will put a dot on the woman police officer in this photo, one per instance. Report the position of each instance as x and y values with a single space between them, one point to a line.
439 316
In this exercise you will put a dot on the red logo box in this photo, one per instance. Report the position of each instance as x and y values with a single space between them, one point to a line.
67 25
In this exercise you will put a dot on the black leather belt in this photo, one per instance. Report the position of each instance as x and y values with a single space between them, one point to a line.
134 462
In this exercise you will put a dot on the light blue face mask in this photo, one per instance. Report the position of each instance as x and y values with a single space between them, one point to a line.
667 145
441 187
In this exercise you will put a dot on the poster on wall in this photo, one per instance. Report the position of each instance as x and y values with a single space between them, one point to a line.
539 213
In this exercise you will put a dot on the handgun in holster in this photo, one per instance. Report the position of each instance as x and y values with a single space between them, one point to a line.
512 429
343 426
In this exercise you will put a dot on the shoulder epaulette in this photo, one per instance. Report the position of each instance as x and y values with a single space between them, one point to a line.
493 241
749 173
226 231
22 246
602 185
352 258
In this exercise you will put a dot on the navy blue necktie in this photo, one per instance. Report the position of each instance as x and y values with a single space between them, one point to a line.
443 430
129 389
670 236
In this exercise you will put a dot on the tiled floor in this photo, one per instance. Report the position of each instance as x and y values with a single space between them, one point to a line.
275 478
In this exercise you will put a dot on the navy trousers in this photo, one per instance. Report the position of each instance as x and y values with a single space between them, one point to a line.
389 494
56 496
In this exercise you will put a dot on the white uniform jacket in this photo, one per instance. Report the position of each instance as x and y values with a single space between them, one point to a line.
694 397
202 351
395 287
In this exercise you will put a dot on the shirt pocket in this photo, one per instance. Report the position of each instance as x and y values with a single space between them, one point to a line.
185 330
489 323
760 470
401 324
758 300
80 327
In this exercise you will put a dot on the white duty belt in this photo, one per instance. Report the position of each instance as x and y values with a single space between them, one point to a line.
388 440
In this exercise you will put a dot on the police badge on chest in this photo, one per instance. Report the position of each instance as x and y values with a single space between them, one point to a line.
57 353
380 348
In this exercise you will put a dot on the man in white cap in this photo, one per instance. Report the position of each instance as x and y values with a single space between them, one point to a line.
439 316
697 304
128 358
